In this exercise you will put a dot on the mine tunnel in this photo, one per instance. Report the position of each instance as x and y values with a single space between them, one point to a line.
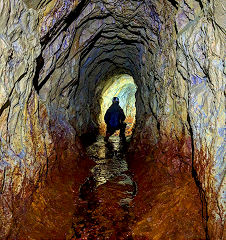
62 62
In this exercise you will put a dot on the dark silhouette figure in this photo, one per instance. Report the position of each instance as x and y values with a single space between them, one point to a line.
114 118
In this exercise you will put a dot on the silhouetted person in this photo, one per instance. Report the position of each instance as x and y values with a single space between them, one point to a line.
114 118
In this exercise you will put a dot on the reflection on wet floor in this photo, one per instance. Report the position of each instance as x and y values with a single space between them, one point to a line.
111 164
107 194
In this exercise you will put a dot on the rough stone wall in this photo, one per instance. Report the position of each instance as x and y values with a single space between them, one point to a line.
193 103
200 47
27 127
22 150
55 54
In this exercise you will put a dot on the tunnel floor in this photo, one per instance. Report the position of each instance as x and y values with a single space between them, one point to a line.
107 194
119 199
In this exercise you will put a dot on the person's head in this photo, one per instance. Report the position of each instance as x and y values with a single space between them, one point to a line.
115 100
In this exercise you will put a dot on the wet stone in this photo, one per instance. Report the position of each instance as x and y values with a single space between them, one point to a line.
107 195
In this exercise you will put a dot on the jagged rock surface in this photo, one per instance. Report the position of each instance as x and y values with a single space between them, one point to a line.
55 54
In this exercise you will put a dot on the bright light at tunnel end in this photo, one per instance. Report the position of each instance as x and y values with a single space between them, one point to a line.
123 87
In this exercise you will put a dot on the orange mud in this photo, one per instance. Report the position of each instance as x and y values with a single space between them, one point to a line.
168 204
56 198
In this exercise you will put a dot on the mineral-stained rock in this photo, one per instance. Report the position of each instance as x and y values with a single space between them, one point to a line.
206 113
169 193
54 59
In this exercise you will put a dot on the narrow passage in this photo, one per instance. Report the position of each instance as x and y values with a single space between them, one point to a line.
107 195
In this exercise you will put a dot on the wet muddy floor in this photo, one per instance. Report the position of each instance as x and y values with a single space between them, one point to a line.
103 198
107 194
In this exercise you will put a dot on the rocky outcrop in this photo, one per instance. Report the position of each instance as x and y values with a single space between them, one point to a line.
56 54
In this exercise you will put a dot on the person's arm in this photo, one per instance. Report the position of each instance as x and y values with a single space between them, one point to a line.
107 117
123 117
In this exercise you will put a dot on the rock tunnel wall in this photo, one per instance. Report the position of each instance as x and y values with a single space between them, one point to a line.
55 55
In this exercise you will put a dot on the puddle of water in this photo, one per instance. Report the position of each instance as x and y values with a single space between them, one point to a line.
107 194
110 161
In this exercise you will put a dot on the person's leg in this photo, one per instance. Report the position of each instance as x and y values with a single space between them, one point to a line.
122 131
109 132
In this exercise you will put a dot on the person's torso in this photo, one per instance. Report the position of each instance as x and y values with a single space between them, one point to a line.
115 112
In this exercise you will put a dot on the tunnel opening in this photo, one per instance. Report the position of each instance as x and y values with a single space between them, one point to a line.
123 87
99 69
